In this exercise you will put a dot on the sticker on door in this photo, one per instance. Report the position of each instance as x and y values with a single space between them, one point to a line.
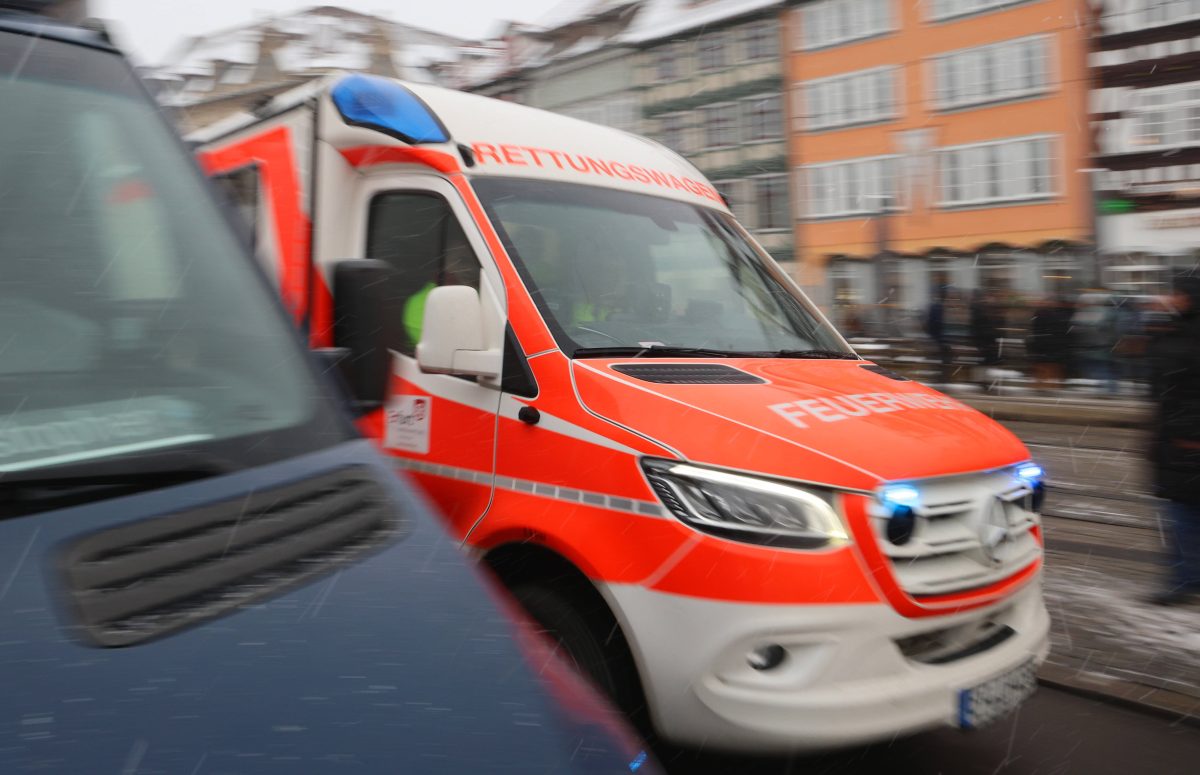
407 423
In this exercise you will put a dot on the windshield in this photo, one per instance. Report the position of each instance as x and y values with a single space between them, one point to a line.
612 269
131 321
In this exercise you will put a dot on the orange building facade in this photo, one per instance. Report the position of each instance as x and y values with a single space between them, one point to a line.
938 142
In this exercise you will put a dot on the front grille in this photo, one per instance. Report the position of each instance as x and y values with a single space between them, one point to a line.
958 521
942 647
149 578
688 374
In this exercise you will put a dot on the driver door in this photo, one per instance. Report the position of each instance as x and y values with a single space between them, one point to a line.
441 428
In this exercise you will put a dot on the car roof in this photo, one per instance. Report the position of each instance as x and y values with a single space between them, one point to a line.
26 23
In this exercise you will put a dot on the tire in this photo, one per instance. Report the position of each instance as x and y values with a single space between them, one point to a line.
588 637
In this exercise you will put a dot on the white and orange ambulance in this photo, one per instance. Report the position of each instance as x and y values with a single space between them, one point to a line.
624 408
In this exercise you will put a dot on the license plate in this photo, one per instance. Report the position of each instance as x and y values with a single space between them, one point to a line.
992 700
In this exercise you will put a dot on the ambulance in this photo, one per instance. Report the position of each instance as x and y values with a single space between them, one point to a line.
749 536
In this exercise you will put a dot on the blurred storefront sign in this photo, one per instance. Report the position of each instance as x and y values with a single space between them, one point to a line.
1173 231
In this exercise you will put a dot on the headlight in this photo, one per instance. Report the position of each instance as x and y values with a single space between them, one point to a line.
746 508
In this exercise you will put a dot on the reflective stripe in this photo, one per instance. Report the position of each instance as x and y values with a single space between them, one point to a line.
540 489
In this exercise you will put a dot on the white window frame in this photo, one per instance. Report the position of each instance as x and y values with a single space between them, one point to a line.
830 23
975 186
748 113
946 10
965 68
832 98
766 29
840 174
759 210
1172 104
684 146
1120 18
719 41
735 125
738 202
672 52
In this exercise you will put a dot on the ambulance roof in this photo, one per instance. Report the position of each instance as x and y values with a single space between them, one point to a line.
511 140
514 140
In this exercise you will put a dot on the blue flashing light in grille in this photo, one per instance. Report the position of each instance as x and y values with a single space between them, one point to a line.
382 104
900 495
1030 472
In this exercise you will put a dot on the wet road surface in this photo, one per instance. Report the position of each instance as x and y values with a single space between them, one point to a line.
1054 733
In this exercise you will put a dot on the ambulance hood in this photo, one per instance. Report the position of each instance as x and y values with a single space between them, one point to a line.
830 421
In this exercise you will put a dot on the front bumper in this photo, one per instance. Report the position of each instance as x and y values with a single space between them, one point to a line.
852 674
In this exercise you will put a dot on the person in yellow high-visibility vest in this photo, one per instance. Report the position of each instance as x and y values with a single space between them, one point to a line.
413 314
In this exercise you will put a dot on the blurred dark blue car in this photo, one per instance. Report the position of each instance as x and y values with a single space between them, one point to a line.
203 568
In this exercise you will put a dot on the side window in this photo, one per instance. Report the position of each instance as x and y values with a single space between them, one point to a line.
418 234
241 186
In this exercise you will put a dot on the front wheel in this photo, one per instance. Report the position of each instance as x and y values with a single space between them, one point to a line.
588 637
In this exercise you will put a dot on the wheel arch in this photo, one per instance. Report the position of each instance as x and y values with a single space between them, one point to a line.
529 560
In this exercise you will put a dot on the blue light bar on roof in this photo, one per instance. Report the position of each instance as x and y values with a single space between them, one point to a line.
384 105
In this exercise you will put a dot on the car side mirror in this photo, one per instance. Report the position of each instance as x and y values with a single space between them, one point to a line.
452 339
360 330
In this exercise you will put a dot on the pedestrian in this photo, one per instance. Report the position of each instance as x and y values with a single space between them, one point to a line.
935 326
1094 328
1048 343
1174 356
985 329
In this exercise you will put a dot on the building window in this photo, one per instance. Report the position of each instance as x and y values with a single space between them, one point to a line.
771 202
1000 71
860 97
710 53
1159 13
666 63
673 132
940 10
834 22
759 38
1002 171
1167 117
739 205
850 187
1118 18
764 117
720 125
621 113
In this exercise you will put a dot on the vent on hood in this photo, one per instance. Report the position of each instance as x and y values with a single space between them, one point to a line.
885 372
688 374
150 578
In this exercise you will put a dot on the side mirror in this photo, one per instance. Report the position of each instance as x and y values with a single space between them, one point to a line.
360 330
452 335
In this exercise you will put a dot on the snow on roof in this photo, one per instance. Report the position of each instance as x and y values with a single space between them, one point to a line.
584 45
571 11
317 38
240 47
323 50
665 18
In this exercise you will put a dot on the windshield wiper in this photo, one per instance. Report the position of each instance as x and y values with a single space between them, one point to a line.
666 351
816 354
656 351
